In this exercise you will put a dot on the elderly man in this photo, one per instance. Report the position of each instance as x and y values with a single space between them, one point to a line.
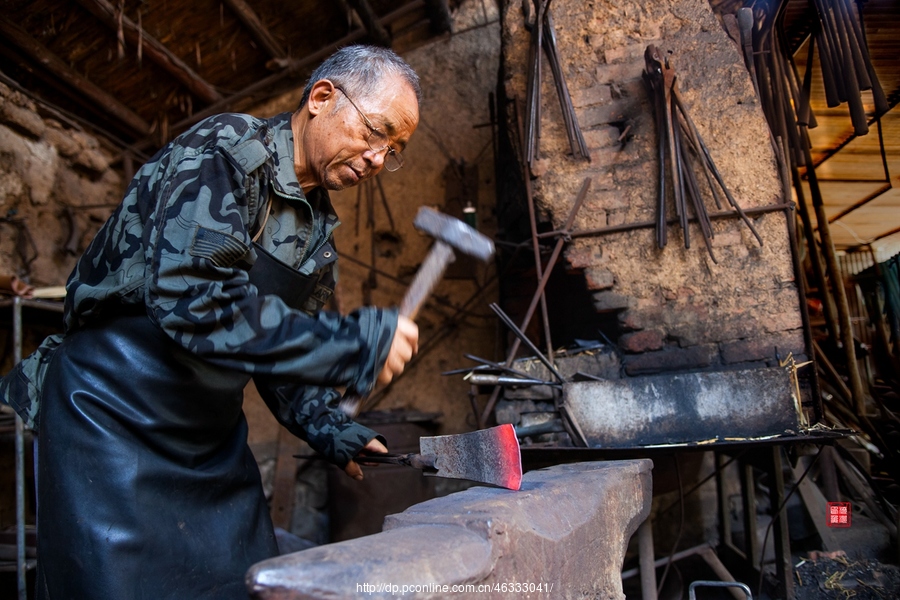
213 270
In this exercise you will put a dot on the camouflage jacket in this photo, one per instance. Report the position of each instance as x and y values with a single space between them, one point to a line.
180 244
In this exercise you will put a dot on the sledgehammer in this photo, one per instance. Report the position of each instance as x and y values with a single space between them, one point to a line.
450 234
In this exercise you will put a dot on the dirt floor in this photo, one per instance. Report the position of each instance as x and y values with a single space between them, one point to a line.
821 577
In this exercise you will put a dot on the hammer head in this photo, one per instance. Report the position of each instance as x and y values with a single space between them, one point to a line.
454 233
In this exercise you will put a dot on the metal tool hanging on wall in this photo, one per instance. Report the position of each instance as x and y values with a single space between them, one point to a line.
678 139
543 35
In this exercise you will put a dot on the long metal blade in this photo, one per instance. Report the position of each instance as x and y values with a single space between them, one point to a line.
486 456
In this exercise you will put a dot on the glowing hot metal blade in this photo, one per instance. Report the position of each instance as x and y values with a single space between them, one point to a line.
487 456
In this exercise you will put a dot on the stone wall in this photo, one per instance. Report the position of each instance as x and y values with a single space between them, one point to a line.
675 308
56 189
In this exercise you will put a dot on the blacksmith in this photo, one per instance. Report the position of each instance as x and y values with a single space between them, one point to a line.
213 271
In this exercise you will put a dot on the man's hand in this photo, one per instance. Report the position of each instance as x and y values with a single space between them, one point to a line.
404 345
353 469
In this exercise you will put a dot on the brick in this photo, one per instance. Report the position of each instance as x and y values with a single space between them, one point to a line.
630 52
762 348
602 137
598 94
65 144
599 279
600 115
643 318
91 160
583 256
670 359
642 341
610 301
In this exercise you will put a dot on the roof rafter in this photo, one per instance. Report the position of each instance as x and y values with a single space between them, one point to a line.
258 30
153 49
293 68
374 28
43 56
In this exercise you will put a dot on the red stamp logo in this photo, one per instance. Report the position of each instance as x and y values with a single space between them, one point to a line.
838 514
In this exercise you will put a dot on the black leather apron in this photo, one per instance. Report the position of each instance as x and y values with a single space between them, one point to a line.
148 489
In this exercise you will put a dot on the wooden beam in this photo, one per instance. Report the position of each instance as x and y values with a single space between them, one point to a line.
55 65
374 28
153 50
295 66
439 17
260 32
859 204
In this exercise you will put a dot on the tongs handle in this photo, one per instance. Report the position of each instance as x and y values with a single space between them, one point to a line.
417 461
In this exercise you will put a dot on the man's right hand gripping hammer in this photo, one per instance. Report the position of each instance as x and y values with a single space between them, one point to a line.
404 345
450 234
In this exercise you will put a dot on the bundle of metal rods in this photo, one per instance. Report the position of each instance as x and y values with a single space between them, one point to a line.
543 35
844 60
785 102
678 140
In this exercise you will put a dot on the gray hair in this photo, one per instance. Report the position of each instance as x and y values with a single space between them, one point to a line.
359 69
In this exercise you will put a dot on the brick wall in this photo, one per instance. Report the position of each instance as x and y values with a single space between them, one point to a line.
674 308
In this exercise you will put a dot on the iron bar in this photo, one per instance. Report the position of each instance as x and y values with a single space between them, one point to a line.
20 462
712 167
485 379
524 338
539 293
757 210
536 249
573 131
498 366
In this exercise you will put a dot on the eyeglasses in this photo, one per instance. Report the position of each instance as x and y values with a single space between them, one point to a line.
377 141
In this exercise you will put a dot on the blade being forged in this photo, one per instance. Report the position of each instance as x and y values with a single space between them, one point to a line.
487 456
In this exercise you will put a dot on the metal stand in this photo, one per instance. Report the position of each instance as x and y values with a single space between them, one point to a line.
647 556
22 564
20 463
769 461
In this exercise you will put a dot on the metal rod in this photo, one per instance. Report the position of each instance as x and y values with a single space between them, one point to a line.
573 131
20 461
535 244
524 338
498 366
539 293
758 210
712 166
484 379
646 555
629 573
846 333
551 263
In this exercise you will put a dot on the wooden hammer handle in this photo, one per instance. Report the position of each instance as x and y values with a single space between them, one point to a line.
427 278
